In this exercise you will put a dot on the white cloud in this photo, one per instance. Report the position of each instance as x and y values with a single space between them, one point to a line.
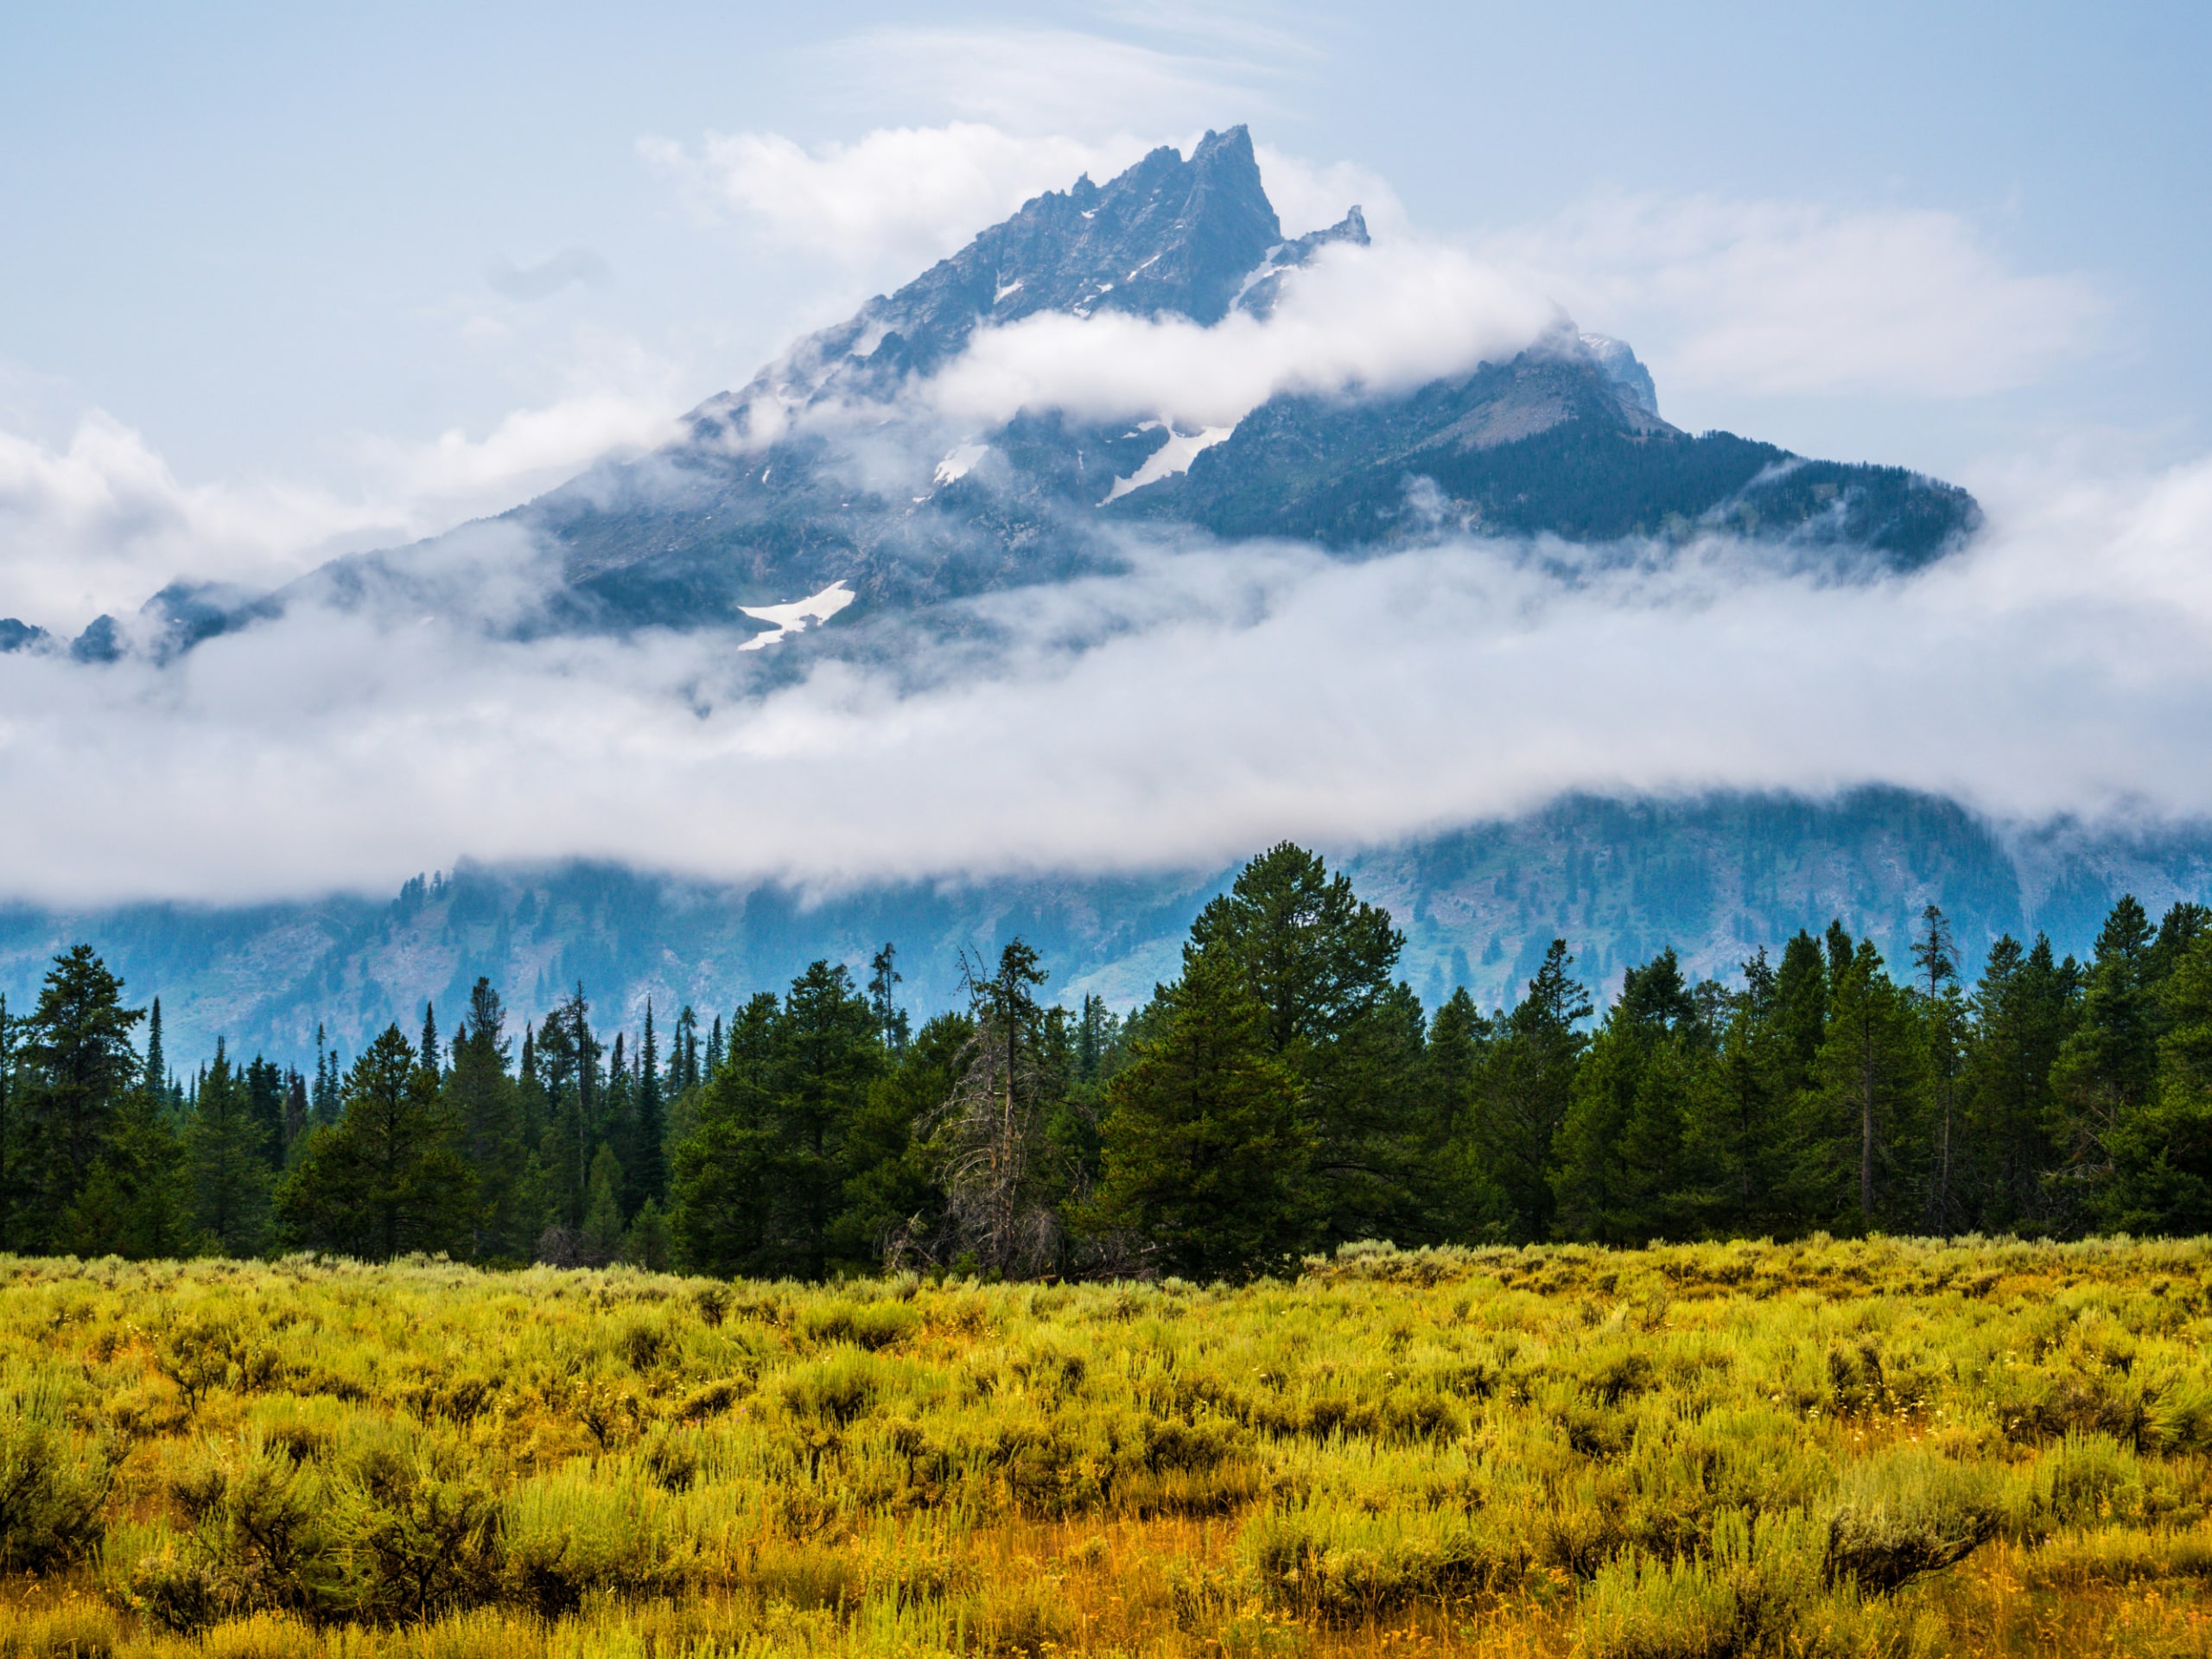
902 194
1050 80
1205 704
101 524
1387 317
1792 297
1307 197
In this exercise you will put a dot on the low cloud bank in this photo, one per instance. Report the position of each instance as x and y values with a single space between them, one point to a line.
1211 701
98 523
1383 318
1795 297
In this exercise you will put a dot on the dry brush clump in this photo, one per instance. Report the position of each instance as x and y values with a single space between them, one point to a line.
1847 1448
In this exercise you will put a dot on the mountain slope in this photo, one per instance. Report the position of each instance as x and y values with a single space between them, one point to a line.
758 504
832 466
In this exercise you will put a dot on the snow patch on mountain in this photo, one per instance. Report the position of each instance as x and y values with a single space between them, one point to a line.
1172 457
960 461
788 620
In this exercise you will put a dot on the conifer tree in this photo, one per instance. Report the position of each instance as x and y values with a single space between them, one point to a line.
82 1066
999 1215
135 1203
295 1110
226 1152
723 1164
2108 1066
1526 1088
1468 1205
484 1102
1208 1152
601 1233
830 1055
1944 1019
1321 962
388 1177
264 1097
1801 1001
157 1068
2161 1151
891 1020
1869 1086
11 1136
1620 1144
648 1162
895 1203
1735 1134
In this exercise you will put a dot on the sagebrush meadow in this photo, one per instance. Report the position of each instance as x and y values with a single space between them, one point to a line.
1874 1446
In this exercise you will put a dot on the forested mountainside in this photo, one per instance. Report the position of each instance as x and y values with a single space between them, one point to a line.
1715 878
835 469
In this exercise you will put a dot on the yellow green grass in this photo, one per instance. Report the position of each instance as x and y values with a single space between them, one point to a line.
1829 1447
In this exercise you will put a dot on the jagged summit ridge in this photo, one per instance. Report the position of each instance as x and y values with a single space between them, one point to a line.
1167 236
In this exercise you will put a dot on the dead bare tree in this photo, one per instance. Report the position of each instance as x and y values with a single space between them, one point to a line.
989 1133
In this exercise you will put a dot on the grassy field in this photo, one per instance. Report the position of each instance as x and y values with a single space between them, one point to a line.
1821 1449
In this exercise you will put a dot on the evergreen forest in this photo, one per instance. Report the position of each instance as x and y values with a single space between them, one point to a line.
1285 1095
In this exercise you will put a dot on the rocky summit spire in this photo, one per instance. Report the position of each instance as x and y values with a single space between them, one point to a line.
1169 236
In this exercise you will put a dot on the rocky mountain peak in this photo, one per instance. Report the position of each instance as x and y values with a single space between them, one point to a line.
1168 236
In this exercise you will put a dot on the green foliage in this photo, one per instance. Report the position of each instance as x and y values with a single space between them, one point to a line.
52 1486
388 1178
227 1151
1907 1513
1284 1093
1208 1155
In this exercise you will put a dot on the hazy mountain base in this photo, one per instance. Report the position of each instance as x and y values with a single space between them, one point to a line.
1717 877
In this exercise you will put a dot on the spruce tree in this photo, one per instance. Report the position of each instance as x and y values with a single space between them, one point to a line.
11 1137
719 1177
1945 1019
893 1212
648 1158
226 1152
264 1097
157 1068
1620 1145
1208 1152
891 1020
832 1054
81 1067
2108 1066
1870 1084
1526 1088
296 1111
388 1177
1466 1204
601 1236
1734 1136
2162 1151
483 1097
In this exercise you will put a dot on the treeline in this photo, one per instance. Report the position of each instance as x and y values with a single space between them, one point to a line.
1286 1093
